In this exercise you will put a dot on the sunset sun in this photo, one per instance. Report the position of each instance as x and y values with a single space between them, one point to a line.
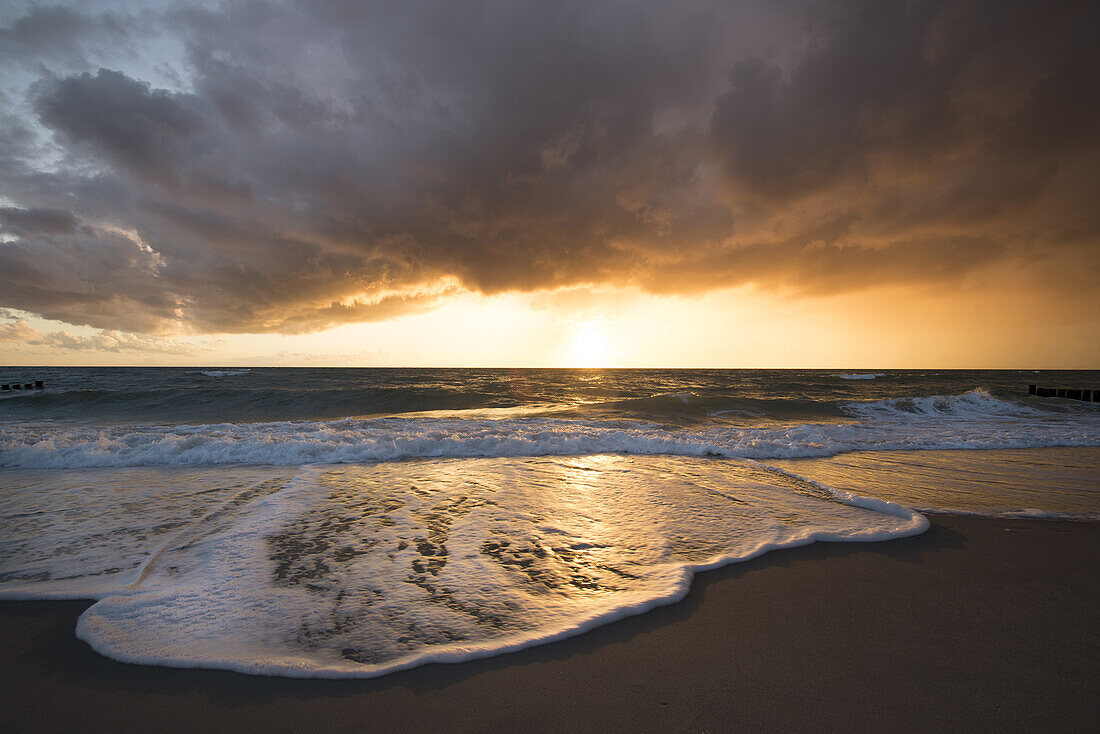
590 347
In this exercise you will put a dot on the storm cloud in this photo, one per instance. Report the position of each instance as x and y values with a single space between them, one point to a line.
290 166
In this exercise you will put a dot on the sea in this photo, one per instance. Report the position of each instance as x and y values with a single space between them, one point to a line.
355 522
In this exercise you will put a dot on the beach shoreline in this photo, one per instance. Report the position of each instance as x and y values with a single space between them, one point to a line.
978 624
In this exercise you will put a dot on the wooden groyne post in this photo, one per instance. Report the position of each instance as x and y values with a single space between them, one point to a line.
36 385
1092 396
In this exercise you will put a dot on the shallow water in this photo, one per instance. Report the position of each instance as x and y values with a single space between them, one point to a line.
359 570
355 522
1062 483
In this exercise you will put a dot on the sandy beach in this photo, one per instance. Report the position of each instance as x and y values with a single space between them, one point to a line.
979 624
343 343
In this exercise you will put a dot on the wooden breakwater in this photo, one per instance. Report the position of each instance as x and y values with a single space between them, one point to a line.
1064 392
36 385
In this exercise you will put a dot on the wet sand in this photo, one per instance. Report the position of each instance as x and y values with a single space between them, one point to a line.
978 624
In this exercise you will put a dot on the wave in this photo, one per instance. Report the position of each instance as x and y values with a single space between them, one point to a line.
222 399
364 570
688 404
974 420
862 376
684 398
977 404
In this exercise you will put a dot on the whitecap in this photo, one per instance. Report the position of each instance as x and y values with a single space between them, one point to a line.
225 373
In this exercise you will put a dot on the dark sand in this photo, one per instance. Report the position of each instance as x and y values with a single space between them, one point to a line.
977 625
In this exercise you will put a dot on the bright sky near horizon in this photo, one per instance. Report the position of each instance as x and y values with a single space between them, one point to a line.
795 184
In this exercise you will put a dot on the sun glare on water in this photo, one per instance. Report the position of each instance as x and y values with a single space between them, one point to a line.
590 347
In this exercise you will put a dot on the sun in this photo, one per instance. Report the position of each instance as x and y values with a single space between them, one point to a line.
590 346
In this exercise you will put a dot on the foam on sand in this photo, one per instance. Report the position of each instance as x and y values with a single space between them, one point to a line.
361 570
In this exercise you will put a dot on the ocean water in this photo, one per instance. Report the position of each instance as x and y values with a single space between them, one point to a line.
350 523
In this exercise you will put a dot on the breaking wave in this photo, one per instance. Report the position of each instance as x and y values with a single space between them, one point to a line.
974 420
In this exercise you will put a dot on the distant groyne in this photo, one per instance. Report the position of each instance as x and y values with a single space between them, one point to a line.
1064 392
36 385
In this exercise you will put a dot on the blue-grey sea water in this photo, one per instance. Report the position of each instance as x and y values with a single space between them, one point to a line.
352 522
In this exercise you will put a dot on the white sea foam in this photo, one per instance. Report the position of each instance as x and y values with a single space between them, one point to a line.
225 373
977 404
974 420
361 570
75 535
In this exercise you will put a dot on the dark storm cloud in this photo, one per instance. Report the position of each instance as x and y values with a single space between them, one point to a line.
140 131
55 33
960 119
102 273
1013 83
334 162
37 221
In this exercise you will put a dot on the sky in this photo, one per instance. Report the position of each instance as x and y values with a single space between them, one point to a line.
578 184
